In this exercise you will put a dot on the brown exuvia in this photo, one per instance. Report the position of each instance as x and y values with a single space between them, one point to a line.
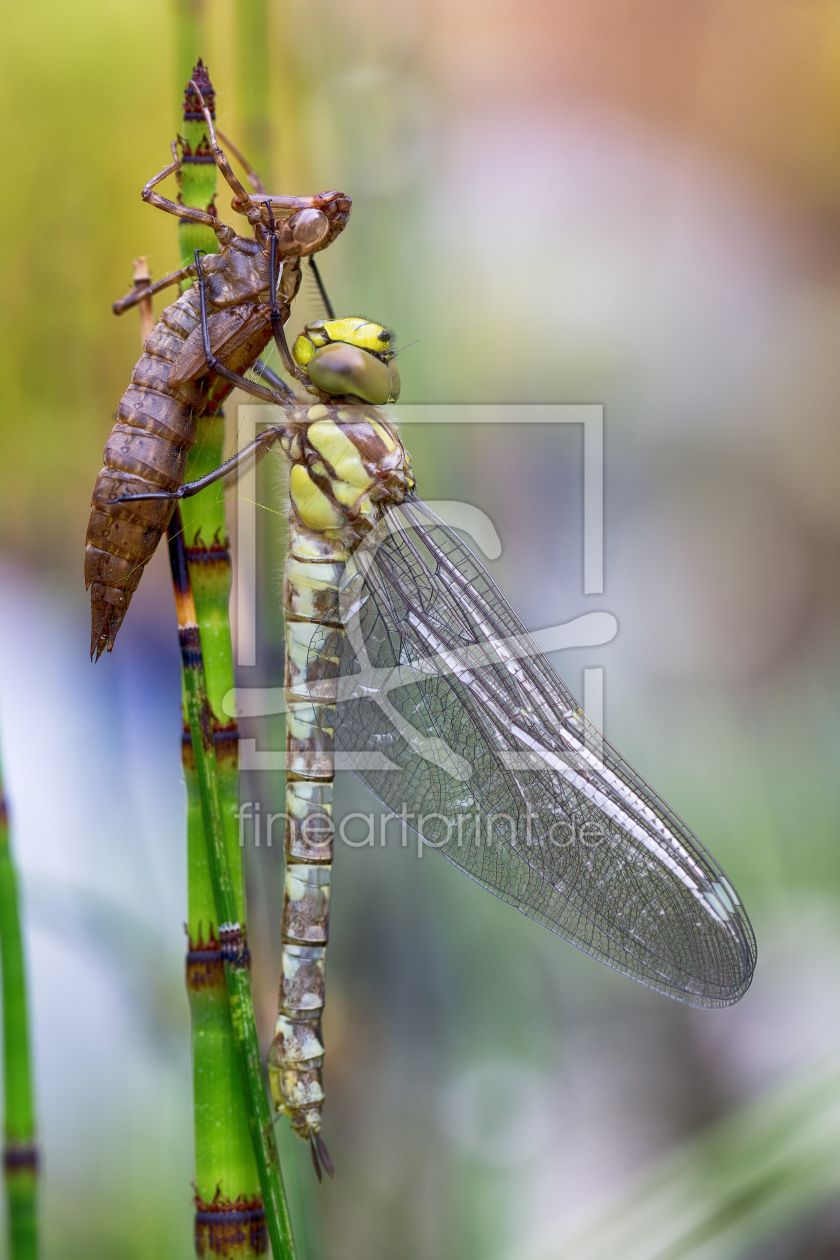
173 383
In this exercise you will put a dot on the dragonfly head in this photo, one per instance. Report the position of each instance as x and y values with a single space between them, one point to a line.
349 356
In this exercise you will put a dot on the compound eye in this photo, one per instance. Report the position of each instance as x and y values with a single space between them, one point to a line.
309 227
343 369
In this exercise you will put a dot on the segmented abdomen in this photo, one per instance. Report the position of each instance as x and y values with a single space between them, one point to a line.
346 463
147 450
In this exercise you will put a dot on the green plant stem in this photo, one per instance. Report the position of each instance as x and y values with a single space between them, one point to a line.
223 1022
190 28
234 949
223 1148
20 1154
226 1178
197 178
227 1183
253 42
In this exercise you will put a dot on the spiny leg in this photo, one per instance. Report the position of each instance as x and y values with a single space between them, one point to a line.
259 187
260 447
328 306
253 178
240 195
173 207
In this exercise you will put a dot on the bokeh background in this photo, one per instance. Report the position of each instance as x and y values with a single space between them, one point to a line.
630 203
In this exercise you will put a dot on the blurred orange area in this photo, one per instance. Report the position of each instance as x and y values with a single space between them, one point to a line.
758 81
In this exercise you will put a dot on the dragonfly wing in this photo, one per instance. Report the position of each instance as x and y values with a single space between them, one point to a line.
448 712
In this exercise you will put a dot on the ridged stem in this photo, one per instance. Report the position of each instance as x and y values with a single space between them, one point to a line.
231 935
229 1207
197 178
199 550
20 1154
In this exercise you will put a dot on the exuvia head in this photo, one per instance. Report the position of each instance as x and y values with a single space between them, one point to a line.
349 356
300 225
299 230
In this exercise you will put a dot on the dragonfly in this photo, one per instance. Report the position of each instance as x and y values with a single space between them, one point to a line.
404 659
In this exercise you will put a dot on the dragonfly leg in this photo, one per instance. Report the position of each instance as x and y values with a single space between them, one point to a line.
254 450
174 207
276 313
253 178
328 306
283 346
276 382
241 199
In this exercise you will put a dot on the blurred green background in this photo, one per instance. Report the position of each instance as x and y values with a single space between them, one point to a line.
635 204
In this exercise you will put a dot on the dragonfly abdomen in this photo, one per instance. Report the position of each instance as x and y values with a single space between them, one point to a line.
345 465
314 568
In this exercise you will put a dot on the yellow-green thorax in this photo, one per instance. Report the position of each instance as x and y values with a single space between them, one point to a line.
349 357
347 463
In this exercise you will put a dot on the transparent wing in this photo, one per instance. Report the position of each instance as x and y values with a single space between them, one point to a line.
450 715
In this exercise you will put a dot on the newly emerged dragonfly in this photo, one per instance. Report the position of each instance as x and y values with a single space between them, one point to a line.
404 657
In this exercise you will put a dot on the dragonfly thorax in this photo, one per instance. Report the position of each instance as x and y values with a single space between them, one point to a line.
347 463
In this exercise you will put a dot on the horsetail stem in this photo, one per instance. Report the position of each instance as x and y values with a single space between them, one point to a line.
232 944
223 1149
227 1183
236 1157
197 177
20 1154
